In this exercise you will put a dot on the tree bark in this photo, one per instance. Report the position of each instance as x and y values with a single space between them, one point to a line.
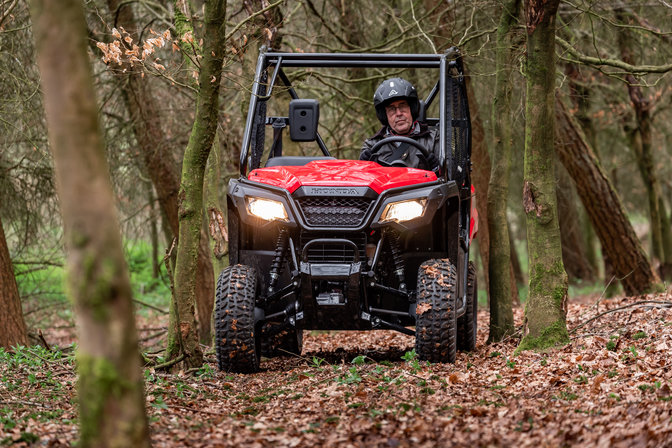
12 326
219 237
110 390
546 311
574 256
499 268
159 161
191 190
619 241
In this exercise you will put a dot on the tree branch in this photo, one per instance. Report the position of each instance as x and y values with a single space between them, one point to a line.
616 63
621 308
256 14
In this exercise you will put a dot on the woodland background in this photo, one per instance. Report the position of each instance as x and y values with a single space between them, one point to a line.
612 75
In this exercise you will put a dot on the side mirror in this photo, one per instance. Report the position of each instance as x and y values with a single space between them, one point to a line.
304 115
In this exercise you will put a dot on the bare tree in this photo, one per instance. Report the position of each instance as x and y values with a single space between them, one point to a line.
501 312
546 311
111 395
603 205
182 326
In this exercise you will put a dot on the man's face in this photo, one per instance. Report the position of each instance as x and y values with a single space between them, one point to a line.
399 116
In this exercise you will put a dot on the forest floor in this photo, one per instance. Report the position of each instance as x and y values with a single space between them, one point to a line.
610 387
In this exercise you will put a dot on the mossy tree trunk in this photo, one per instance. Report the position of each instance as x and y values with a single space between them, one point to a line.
499 268
546 311
12 325
159 161
110 390
600 199
191 188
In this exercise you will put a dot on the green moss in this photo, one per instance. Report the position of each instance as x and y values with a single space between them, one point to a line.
102 275
554 335
98 380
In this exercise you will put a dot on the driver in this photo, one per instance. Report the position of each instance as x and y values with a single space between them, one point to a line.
397 108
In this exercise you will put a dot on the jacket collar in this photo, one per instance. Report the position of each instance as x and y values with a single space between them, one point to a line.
419 129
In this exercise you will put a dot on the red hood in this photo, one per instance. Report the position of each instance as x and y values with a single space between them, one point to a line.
340 173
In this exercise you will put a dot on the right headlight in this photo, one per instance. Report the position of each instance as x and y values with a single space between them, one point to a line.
266 209
403 210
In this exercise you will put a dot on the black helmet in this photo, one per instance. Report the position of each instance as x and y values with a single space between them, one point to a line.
395 89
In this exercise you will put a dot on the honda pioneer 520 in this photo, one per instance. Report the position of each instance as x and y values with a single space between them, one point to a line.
322 243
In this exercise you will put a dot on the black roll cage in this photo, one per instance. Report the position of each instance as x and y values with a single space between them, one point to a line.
455 167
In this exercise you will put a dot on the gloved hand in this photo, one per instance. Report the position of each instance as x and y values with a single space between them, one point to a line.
366 154
432 161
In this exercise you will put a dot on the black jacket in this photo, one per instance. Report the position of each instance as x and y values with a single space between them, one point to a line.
412 157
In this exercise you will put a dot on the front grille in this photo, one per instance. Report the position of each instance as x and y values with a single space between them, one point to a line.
334 253
334 211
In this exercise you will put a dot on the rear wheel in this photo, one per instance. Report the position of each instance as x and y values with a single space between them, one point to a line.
237 340
467 324
436 324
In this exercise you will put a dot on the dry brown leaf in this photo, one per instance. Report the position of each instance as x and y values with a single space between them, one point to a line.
422 308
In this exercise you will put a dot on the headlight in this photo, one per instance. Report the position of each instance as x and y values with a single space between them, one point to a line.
266 209
403 210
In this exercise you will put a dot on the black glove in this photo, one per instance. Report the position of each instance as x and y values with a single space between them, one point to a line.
432 162
366 154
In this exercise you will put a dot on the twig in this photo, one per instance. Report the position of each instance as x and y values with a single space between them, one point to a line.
150 306
258 13
615 63
431 44
153 336
42 340
170 363
27 403
621 308
200 411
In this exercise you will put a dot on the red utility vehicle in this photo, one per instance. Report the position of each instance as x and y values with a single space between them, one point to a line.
318 243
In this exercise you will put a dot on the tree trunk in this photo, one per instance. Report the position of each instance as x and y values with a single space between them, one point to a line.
12 325
110 390
191 190
216 219
159 161
619 241
500 274
546 311
153 230
661 234
515 260
581 96
574 256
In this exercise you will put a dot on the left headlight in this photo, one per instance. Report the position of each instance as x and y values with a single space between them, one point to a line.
403 210
266 209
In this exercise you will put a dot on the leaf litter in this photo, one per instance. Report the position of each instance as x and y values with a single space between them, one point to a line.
611 386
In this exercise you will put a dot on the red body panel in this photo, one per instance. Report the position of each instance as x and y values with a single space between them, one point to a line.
341 173
473 220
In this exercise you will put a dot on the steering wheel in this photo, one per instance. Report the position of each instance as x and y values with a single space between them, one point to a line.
401 139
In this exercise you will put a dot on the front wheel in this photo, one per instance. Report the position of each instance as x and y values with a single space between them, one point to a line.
436 323
237 340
